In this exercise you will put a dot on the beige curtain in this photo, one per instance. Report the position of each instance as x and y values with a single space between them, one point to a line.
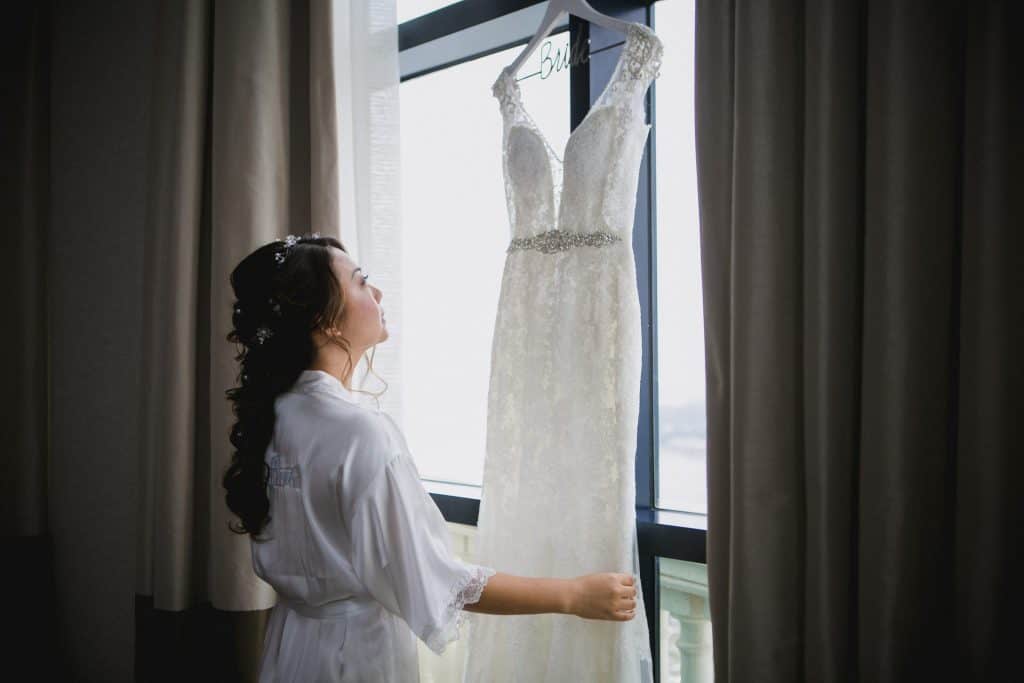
247 145
244 151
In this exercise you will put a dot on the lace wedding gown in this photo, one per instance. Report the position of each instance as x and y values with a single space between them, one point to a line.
563 404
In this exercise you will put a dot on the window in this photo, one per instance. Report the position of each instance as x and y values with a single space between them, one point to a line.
455 231
454 207
410 9
682 430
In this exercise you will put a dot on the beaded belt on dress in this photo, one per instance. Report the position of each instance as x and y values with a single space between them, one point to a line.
327 610
561 240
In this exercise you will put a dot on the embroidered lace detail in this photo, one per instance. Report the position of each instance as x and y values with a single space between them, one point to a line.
643 56
507 92
465 590
642 66
283 476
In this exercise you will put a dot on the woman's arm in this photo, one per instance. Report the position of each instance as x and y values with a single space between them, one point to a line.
607 595
511 594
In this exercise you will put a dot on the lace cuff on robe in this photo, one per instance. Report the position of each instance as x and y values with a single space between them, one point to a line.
465 590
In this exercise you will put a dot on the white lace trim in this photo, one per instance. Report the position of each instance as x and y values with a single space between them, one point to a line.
465 590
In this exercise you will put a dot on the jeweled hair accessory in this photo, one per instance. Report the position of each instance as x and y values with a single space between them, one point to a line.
289 242
263 333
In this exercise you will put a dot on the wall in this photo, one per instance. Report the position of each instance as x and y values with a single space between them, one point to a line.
101 68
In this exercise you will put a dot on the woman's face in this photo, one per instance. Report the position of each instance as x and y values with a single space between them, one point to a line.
363 323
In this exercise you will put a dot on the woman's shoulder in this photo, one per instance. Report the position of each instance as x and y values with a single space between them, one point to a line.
355 443
361 445
356 430
325 411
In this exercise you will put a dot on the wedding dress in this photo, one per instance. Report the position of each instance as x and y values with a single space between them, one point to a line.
563 403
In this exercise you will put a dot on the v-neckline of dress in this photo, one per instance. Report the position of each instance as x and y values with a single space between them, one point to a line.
633 28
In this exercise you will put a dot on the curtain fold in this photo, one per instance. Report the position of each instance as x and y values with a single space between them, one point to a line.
244 150
25 134
861 251
24 182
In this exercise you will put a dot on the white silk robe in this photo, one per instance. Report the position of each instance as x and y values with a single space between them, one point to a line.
357 550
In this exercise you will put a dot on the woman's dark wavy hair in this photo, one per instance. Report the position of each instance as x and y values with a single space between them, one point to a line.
291 300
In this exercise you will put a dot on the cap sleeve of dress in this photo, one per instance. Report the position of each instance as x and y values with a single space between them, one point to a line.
402 554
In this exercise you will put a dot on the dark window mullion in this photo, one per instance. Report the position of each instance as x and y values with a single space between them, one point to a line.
579 75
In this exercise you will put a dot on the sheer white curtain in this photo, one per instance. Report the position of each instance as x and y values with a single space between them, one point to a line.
367 79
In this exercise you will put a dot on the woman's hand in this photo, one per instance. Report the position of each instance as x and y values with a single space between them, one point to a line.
607 595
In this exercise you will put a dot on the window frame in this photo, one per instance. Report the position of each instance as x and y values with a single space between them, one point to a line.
660 532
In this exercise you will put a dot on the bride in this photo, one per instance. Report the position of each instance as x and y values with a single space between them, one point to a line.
339 522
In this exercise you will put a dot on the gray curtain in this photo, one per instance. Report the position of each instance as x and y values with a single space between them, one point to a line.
860 182
244 151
